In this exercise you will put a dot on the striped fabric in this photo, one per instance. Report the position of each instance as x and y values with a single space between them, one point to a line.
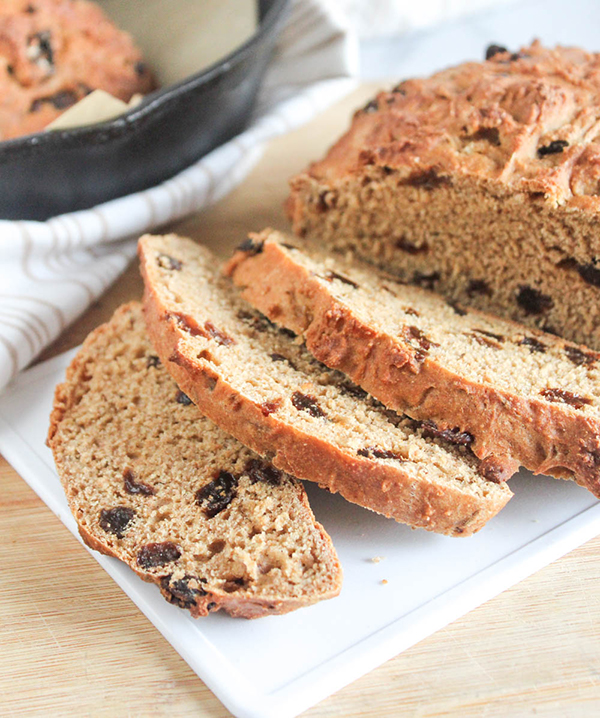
50 272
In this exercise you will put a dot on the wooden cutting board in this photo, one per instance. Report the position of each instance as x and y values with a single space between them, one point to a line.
71 643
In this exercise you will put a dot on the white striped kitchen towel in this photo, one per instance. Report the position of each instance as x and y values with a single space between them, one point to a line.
51 271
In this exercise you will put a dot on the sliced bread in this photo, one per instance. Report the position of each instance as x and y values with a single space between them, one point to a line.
154 483
263 386
518 393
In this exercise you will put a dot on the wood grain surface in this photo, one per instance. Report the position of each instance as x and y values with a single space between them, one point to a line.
73 644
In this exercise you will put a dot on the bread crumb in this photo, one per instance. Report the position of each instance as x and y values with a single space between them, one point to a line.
377 559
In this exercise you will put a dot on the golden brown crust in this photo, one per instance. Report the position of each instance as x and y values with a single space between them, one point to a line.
544 437
239 604
526 122
385 489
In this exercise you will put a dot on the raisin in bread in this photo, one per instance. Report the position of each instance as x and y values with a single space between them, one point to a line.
53 53
154 483
517 393
265 388
481 182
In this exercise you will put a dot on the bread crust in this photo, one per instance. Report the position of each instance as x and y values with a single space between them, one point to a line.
237 604
382 488
507 109
546 438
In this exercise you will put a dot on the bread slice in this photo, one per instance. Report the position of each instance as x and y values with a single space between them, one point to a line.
264 387
481 182
519 394
154 483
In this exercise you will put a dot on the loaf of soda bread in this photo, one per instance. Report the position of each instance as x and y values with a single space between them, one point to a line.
53 53
481 182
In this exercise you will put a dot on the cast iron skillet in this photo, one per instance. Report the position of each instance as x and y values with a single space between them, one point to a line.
50 173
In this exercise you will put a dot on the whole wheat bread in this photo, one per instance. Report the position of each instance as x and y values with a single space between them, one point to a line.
481 182
263 386
520 394
154 483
